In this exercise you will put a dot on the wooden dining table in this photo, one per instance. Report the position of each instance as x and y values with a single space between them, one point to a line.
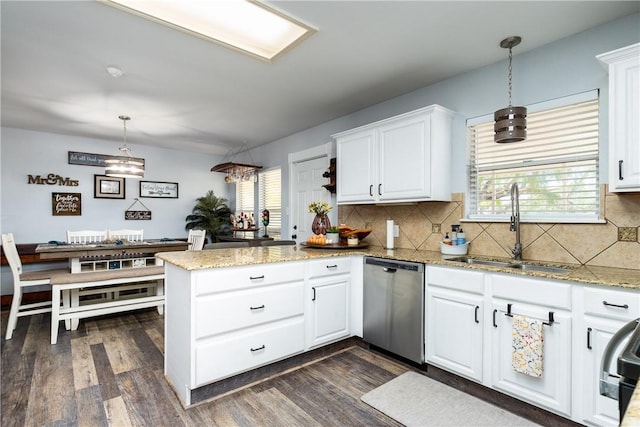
82 255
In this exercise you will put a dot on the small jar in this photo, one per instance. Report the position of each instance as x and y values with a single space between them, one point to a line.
352 240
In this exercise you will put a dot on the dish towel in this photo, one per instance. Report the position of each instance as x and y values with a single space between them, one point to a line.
527 345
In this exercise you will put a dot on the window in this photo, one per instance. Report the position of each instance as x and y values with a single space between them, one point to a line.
245 197
556 167
270 196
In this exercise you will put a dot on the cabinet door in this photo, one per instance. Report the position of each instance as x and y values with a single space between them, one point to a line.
355 171
454 331
599 410
329 316
624 118
405 157
553 390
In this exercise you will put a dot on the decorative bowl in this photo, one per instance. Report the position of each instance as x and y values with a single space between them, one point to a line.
361 232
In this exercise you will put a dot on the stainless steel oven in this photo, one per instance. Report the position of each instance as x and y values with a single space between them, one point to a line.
621 387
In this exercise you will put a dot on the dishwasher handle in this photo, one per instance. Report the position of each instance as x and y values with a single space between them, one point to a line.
389 269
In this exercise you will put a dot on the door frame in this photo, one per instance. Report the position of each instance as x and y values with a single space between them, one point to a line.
326 150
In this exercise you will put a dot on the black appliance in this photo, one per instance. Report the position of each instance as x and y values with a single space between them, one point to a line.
628 366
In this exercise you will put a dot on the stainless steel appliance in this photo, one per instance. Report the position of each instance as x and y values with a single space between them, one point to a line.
628 367
394 307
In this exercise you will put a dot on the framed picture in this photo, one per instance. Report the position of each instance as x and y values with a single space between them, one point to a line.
107 187
66 204
167 190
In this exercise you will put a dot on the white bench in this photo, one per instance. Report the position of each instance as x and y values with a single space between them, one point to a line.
75 282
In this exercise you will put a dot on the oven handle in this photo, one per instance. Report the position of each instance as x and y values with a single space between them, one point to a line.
607 388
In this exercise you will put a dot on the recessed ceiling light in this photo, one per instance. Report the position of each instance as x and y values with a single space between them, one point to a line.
248 26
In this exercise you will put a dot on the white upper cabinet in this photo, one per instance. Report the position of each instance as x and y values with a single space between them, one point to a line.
401 159
624 117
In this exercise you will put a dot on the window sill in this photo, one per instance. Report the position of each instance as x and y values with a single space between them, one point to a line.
536 221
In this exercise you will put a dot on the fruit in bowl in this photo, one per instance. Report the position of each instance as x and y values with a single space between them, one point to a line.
317 239
346 231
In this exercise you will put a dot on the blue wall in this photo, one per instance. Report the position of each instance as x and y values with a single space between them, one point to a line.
565 67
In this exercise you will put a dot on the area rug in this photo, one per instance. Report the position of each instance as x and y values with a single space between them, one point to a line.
416 400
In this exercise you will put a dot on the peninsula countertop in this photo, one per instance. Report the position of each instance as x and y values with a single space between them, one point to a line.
222 258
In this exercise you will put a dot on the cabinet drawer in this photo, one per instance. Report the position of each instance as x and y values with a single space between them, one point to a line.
229 311
247 350
612 303
532 291
224 279
329 267
456 278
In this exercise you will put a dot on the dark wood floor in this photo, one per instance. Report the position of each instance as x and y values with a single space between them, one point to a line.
110 373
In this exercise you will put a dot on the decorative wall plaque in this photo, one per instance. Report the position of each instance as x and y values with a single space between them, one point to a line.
137 215
66 204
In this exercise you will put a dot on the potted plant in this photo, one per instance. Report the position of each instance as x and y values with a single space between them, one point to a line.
211 214
333 235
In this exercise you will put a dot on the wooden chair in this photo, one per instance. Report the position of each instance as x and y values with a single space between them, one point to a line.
277 242
128 235
86 236
223 245
196 239
23 280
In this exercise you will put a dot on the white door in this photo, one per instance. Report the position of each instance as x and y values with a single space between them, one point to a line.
306 181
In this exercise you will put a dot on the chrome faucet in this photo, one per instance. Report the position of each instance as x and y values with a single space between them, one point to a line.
515 220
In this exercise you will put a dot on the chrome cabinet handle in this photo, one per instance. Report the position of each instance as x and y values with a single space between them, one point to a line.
625 306
494 318
332 266
258 348
476 314
589 338
314 294
256 277
260 307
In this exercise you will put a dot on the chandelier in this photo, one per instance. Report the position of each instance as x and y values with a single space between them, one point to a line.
124 166
238 172
510 122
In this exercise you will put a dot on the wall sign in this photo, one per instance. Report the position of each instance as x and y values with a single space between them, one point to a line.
137 215
66 204
159 189
52 179
86 159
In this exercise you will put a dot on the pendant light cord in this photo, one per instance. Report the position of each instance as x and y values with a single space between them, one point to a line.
124 147
510 72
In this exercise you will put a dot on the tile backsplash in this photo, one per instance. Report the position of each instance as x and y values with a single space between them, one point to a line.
423 225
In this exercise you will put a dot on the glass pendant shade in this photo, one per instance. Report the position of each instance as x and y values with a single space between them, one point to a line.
510 124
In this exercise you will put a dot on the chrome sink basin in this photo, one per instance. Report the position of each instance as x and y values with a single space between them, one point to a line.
542 268
469 260
510 264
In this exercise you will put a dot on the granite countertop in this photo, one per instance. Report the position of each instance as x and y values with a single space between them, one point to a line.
220 258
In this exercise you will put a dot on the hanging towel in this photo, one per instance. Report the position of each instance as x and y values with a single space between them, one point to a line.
527 345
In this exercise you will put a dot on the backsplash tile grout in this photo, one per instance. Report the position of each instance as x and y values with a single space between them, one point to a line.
615 243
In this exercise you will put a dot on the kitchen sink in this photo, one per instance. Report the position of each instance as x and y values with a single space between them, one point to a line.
511 264
543 268
477 261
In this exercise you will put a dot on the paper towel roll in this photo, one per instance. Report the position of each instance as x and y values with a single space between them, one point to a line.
389 234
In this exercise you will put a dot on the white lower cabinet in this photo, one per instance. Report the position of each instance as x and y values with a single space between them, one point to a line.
328 300
605 312
454 317
533 298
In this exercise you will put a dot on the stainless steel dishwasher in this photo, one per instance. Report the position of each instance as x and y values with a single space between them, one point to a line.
394 307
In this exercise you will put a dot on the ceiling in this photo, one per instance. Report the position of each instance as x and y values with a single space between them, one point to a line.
186 93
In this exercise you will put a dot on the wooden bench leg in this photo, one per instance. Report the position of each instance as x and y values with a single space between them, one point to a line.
55 313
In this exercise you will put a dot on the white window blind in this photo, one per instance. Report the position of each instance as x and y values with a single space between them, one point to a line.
556 167
270 197
245 197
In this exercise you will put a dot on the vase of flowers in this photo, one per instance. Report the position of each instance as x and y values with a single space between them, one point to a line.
321 221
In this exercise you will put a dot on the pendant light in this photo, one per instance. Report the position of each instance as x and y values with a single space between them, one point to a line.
511 122
124 166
